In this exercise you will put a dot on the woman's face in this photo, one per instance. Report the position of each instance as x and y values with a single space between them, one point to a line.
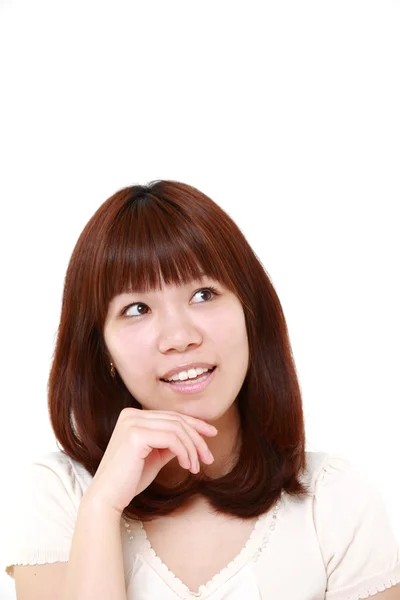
148 334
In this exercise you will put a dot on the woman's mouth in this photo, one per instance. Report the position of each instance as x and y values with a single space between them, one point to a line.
190 386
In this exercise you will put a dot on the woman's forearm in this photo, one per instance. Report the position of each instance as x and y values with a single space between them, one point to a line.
95 568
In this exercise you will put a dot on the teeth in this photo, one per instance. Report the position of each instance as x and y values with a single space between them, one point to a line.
190 374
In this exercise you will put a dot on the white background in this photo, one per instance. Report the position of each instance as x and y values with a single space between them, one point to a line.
284 113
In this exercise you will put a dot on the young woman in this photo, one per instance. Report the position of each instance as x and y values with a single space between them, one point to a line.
174 397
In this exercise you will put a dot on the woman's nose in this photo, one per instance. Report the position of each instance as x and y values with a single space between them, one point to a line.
178 332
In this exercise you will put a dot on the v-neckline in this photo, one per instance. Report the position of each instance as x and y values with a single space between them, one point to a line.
256 542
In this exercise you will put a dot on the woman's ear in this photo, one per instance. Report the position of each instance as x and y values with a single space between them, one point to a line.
108 358
105 351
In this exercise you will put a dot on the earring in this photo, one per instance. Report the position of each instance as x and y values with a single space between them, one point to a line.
112 370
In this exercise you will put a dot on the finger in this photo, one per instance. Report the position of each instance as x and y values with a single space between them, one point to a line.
203 426
201 446
161 439
174 426
194 421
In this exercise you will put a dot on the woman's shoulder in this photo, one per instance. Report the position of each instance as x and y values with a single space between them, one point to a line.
324 469
42 507
58 466
354 530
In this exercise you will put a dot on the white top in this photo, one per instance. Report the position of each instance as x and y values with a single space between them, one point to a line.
337 544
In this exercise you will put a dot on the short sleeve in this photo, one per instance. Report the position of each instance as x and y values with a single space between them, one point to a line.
43 507
358 546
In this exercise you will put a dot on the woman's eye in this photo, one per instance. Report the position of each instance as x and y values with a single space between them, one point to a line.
130 307
210 291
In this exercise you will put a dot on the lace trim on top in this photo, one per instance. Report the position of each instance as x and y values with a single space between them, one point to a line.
370 587
258 540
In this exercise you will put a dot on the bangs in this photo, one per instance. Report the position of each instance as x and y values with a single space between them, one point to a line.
152 242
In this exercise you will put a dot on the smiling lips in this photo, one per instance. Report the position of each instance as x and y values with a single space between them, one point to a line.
186 367
189 375
201 374
192 386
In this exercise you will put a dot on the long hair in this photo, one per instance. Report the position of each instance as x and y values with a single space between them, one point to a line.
171 231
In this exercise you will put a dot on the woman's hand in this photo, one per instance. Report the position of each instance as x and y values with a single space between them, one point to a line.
144 441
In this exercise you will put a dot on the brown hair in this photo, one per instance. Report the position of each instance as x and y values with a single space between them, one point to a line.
172 230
